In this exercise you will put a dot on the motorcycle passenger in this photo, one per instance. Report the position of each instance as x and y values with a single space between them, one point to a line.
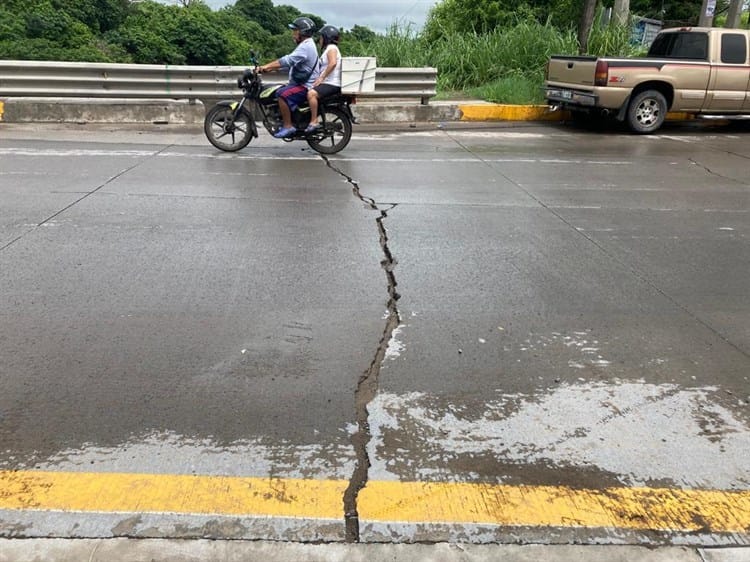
302 64
328 82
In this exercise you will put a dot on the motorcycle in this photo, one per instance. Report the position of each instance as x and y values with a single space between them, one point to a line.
230 125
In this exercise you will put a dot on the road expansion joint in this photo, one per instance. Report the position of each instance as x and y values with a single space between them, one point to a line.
84 196
368 383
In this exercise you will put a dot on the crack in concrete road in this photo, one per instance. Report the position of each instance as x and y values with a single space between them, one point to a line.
714 173
368 383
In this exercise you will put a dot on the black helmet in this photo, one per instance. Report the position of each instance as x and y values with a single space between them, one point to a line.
305 26
330 34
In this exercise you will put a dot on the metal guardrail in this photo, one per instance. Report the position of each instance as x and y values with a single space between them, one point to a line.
104 80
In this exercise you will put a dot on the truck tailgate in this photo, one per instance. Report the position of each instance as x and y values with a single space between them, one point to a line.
572 70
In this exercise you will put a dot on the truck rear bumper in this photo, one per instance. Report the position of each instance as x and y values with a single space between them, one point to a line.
608 98
568 97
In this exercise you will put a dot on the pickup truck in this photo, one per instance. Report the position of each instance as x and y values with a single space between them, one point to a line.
694 70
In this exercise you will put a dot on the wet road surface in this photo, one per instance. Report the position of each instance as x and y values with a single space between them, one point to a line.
530 334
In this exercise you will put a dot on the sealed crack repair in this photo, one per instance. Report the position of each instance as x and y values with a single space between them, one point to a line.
367 386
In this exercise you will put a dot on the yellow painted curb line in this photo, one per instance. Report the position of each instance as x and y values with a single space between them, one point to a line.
501 112
679 116
659 509
162 493
2 109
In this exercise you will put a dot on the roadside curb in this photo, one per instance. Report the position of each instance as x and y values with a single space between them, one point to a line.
158 550
506 112
19 110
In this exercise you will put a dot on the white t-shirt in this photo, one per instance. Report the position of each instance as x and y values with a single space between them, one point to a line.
334 78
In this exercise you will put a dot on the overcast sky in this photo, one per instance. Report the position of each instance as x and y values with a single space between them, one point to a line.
378 15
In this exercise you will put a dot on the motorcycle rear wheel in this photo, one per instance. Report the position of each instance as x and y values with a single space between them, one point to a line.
225 134
335 132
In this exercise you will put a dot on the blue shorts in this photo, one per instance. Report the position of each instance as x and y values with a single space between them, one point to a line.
294 95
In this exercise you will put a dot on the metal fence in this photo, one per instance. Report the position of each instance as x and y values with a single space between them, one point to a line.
102 80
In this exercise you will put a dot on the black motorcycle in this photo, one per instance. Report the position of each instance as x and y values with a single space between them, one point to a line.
230 125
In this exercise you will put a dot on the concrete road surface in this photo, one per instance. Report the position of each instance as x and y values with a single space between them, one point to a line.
529 334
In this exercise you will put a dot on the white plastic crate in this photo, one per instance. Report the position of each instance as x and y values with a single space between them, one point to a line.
358 74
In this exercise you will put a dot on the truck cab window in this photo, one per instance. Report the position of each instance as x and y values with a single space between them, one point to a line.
692 46
733 48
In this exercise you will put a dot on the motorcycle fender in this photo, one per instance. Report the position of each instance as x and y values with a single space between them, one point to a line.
345 107
253 126
232 104
228 103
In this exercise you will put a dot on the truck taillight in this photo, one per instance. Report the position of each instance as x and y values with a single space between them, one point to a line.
601 74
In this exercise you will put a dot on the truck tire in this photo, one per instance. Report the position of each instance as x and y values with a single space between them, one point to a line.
646 112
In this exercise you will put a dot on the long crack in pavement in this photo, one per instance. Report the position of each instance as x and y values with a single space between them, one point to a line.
367 386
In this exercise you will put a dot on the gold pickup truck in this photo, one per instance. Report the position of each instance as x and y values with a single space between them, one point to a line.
695 70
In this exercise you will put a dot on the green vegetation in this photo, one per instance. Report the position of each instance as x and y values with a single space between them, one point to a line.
505 65
489 49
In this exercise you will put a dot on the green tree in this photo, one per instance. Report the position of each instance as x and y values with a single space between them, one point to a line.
12 25
147 32
361 33
98 15
286 15
241 35
198 37
263 12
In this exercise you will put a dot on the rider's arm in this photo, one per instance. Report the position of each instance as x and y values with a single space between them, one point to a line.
304 57
333 61
271 66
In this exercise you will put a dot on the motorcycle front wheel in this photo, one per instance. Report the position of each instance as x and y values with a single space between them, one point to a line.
335 131
226 133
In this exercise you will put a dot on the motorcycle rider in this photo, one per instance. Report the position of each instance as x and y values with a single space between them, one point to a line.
302 65
328 82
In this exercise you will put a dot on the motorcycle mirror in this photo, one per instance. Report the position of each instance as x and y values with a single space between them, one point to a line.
253 57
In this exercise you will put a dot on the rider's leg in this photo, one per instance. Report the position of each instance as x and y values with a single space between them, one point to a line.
312 101
286 114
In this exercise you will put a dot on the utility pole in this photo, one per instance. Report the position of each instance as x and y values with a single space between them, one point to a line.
734 14
707 13
622 12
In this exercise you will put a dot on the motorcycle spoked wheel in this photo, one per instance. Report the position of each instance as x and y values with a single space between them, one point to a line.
223 133
334 134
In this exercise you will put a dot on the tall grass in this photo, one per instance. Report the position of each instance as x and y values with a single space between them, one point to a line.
611 40
505 65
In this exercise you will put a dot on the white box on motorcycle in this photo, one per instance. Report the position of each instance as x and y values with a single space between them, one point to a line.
358 75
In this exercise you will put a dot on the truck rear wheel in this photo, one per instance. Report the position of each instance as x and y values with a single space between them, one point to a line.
646 112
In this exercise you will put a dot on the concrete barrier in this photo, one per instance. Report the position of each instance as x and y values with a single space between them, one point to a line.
188 112
94 110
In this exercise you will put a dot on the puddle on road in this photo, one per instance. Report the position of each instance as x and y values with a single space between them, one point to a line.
171 453
584 435
631 433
